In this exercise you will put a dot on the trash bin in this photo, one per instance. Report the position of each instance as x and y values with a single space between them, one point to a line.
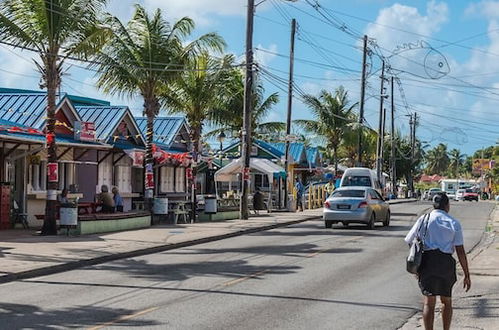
160 205
210 204
68 214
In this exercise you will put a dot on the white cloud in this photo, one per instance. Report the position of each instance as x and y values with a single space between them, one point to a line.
406 18
200 11
21 69
265 57
487 8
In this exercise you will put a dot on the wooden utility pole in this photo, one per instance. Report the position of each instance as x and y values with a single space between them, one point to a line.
392 156
379 146
247 110
289 180
361 106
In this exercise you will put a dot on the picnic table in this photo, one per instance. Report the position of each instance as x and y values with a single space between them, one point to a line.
88 207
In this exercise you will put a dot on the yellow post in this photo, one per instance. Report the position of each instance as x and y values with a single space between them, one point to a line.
310 191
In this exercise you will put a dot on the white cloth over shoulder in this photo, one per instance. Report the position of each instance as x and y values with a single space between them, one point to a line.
443 232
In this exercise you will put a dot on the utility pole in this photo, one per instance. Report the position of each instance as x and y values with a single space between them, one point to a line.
392 156
362 97
247 109
379 152
289 180
413 123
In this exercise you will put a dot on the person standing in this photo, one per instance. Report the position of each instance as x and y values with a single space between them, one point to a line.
330 187
441 235
299 194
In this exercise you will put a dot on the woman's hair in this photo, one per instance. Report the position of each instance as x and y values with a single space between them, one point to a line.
440 201
104 188
114 190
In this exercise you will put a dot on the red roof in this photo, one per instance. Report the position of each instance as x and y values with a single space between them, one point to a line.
430 178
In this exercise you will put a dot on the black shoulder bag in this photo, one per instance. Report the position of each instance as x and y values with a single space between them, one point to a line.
416 252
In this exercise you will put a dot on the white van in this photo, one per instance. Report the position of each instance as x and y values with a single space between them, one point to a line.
361 176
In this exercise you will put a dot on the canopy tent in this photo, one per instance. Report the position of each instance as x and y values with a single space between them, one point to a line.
229 172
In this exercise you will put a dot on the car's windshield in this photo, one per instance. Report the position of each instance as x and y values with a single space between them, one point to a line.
349 193
362 181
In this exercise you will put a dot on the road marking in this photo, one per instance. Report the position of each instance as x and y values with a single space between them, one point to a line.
124 318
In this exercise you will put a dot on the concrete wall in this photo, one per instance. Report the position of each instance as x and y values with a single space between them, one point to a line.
109 225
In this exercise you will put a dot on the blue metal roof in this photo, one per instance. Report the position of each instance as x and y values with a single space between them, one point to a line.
296 149
270 148
312 154
105 118
40 138
26 109
86 101
165 129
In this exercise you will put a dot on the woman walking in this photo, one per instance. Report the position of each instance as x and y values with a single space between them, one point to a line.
441 235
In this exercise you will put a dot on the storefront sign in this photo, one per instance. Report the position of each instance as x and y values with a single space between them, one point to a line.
84 131
53 172
138 159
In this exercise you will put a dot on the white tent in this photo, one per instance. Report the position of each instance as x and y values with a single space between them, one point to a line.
229 172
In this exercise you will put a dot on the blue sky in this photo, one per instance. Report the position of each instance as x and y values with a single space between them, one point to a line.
457 106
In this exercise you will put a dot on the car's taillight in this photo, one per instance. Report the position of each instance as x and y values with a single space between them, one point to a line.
327 205
362 204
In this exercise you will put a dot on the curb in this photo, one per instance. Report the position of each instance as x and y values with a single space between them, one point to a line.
49 270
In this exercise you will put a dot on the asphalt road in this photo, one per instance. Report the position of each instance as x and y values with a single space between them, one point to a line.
298 277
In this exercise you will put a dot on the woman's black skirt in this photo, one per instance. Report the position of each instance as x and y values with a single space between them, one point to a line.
437 273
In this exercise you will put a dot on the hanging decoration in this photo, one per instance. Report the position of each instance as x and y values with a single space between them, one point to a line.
165 157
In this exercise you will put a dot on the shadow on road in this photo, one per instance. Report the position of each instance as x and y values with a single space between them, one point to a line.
20 316
383 305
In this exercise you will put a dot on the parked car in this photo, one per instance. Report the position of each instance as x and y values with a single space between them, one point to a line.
432 192
356 205
460 194
470 195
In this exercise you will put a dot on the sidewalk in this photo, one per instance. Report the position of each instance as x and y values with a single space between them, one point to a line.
24 254
479 307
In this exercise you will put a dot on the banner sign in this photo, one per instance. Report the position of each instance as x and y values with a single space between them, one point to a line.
53 172
481 165
149 177
84 131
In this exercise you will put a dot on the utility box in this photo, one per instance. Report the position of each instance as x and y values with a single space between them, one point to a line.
210 204
160 206
68 214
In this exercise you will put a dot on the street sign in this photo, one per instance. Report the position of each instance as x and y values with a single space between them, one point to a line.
53 172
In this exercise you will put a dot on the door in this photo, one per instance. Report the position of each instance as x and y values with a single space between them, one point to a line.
86 179
376 204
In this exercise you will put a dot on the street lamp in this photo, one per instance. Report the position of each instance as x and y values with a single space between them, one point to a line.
221 137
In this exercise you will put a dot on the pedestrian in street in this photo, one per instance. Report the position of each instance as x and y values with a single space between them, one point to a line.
441 235
118 201
299 194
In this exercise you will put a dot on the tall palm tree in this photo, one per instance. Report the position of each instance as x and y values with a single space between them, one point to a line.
333 117
456 161
143 57
437 160
56 30
229 119
200 92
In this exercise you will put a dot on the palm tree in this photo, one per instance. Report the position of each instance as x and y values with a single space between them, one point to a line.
333 117
456 161
57 30
437 160
229 119
200 92
146 55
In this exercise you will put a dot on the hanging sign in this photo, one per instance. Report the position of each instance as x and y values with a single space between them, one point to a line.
188 173
53 172
246 173
149 177
84 131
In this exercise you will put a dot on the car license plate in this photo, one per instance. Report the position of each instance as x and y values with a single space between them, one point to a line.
343 206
